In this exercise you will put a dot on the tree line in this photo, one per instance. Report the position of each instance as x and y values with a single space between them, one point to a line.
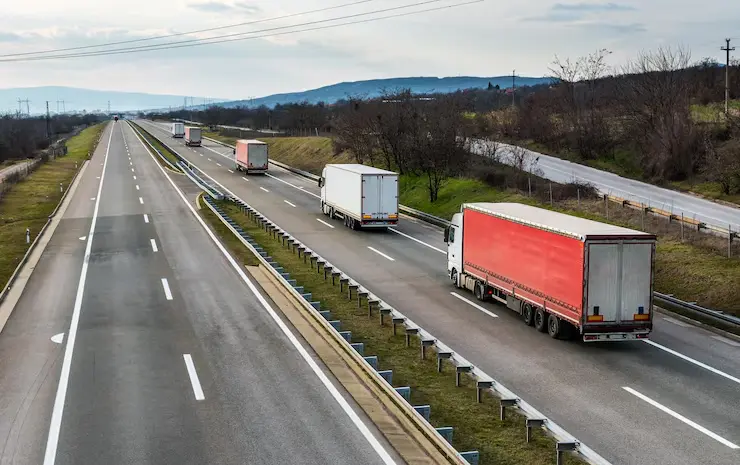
24 137
648 119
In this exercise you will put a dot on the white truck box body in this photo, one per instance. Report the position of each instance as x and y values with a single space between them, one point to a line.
251 155
178 130
193 136
368 195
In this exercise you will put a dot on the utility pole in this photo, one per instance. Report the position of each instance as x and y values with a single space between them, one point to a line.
19 108
108 106
48 122
513 88
727 49
28 108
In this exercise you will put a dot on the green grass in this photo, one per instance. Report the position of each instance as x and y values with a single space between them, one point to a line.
477 426
709 190
239 252
162 149
29 203
305 153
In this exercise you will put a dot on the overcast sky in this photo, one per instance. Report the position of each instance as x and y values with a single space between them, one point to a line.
483 39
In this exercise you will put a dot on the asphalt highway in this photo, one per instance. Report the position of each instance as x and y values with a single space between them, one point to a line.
136 341
672 400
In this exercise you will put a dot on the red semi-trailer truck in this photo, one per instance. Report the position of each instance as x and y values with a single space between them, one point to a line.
563 274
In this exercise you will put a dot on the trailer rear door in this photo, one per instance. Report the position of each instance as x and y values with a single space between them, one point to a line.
619 282
379 197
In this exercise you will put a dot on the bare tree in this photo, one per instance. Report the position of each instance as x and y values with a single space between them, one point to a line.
722 164
655 96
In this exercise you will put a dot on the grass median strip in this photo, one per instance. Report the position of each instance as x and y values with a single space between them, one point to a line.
476 426
29 203
162 149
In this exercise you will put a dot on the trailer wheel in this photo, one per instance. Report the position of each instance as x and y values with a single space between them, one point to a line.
554 327
478 291
540 320
528 314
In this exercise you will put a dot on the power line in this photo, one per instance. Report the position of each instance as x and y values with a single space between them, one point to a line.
198 42
219 37
108 44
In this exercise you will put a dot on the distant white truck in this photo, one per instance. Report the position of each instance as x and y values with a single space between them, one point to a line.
193 136
178 130
251 156
364 196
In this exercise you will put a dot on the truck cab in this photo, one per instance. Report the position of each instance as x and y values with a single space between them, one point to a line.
453 239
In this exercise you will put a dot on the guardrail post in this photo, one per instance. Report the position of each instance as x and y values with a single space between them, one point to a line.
397 320
334 274
360 295
424 410
342 282
320 265
505 403
371 303
313 258
327 271
384 311
446 432
480 386
424 344
562 447
472 457
459 370
442 356
350 287
409 332
534 423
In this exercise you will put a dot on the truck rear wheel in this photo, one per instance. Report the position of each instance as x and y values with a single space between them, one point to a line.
528 314
478 291
540 320
554 327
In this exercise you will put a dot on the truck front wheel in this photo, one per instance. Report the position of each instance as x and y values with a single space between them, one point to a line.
540 320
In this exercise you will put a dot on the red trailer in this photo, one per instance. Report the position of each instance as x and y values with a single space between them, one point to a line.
560 272
251 156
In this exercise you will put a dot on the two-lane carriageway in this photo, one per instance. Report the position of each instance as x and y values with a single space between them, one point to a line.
167 355
672 400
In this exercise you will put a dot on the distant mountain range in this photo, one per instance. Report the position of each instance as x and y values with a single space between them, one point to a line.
74 99
375 87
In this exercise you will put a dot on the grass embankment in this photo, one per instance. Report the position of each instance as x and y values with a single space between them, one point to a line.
476 426
694 270
162 149
305 153
29 203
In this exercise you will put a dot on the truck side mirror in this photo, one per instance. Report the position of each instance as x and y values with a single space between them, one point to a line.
447 234
321 182
234 152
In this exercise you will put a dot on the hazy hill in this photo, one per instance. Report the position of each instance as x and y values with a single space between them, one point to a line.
373 88
76 100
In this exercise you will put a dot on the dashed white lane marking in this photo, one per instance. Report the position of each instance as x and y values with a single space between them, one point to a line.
264 189
166 287
197 389
154 245
388 257
324 223
474 305
289 203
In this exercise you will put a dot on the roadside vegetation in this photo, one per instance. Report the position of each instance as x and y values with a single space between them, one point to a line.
476 426
29 203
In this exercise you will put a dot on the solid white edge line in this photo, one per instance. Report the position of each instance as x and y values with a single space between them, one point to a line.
691 360
290 203
324 223
682 418
55 424
166 287
197 389
292 185
154 245
266 190
417 240
361 426
146 218
473 304
388 257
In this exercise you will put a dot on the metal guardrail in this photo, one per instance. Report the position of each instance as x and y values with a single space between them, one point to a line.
452 455
138 129
688 307
565 441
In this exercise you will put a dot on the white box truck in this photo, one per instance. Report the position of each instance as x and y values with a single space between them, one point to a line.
193 136
365 197
251 156
178 130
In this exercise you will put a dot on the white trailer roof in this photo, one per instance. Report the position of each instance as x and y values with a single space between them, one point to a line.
360 169
250 141
562 223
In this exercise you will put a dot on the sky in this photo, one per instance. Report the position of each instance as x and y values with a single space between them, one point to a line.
488 38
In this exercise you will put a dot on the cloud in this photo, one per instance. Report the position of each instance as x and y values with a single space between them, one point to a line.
224 7
10 37
614 28
568 12
591 7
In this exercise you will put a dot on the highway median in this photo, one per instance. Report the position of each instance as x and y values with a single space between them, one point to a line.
475 426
